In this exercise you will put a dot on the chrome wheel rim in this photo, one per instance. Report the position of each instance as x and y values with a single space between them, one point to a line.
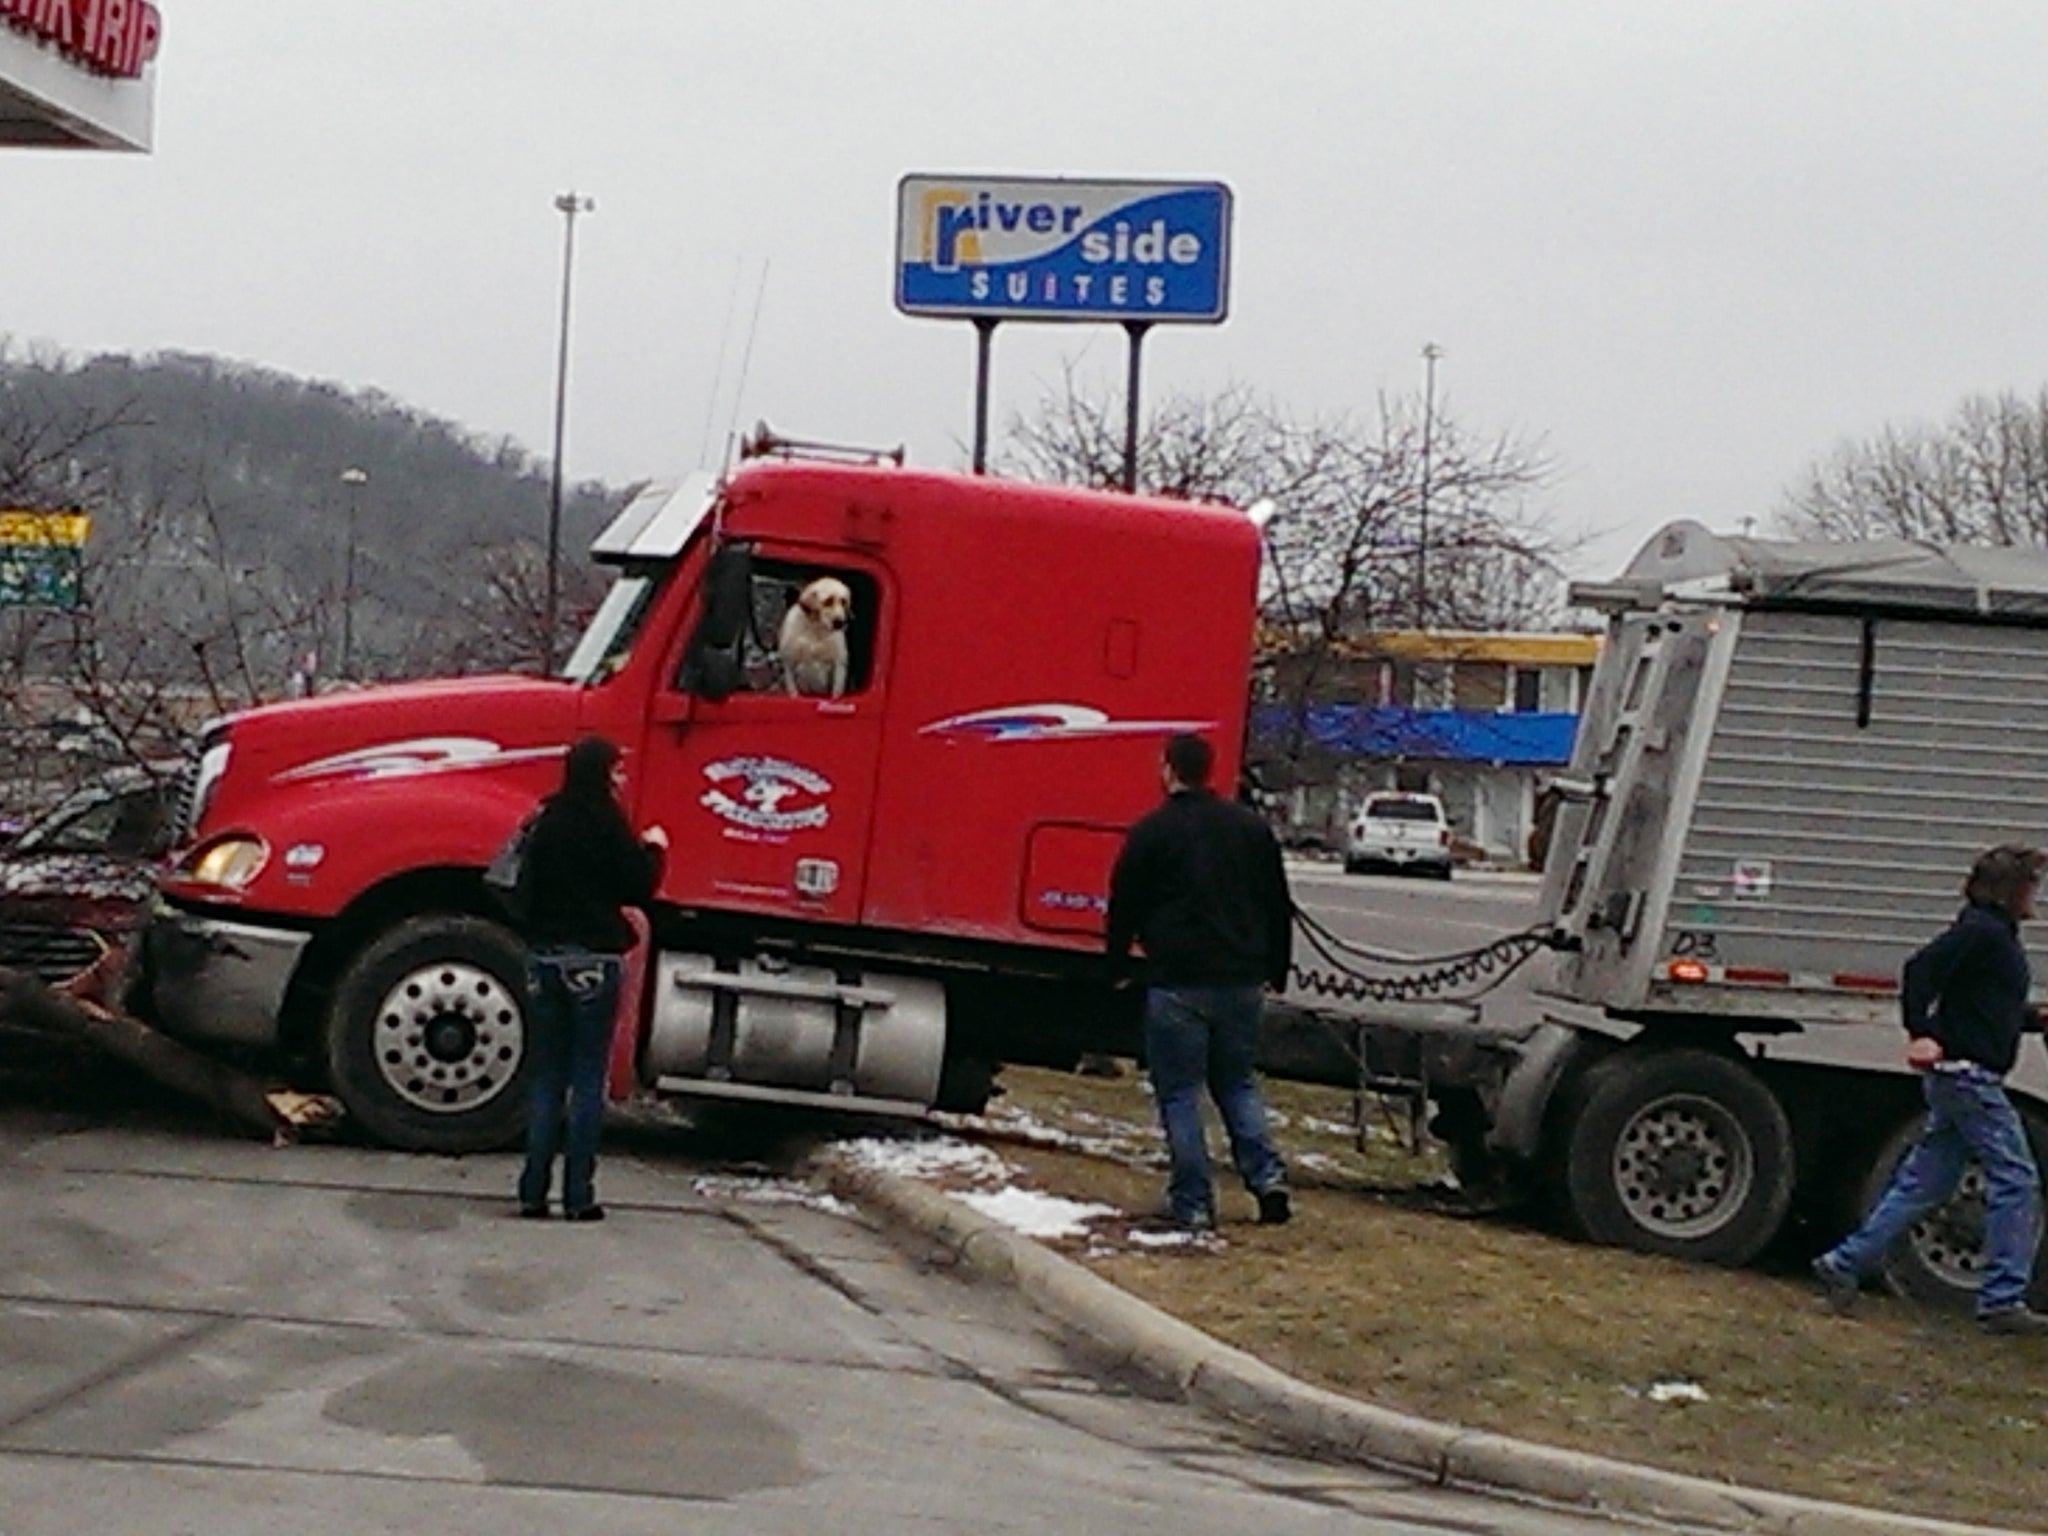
1682 1167
1950 1242
448 1037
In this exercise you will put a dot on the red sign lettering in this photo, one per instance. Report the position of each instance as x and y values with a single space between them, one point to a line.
108 37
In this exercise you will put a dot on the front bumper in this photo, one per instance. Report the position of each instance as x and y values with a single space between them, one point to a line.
1398 853
217 981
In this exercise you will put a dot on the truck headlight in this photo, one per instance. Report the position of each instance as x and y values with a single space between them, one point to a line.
232 861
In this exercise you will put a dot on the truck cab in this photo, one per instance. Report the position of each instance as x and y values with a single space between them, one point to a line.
875 892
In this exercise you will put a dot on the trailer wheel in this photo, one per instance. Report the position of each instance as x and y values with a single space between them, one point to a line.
1940 1262
426 1038
1681 1152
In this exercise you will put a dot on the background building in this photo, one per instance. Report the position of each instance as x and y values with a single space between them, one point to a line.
1472 717
78 74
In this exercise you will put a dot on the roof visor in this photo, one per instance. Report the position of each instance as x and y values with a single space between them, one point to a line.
656 524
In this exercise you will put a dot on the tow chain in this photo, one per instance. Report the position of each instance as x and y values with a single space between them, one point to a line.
1426 978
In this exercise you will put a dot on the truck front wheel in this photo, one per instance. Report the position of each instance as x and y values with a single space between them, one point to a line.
426 1039
1681 1152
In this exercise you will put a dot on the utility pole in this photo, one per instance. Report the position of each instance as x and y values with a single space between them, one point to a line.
1430 353
355 479
568 205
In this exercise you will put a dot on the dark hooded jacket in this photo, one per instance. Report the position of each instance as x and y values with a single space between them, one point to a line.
1201 885
1968 989
582 861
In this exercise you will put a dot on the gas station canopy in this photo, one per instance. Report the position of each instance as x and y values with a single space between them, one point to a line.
78 74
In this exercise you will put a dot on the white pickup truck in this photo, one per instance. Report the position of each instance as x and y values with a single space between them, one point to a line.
1400 831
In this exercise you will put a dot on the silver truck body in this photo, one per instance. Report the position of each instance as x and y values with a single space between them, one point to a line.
1789 757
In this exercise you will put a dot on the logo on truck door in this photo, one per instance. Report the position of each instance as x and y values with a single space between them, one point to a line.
767 795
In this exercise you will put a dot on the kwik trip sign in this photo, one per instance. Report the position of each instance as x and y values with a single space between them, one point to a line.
1053 249
108 37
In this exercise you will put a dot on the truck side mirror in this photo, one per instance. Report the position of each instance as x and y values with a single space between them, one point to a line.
712 666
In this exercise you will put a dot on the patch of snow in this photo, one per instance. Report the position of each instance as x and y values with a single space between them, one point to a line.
1023 1126
1172 1239
929 1158
1107 1122
1677 1392
1322 1127
769 1192
1035 1214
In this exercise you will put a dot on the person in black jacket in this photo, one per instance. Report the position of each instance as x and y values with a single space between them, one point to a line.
582 865
1965 1005
1201 885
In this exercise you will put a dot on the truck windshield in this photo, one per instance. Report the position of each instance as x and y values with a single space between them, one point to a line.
609 640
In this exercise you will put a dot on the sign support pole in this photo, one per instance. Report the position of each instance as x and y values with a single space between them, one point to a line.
1136 330
984 344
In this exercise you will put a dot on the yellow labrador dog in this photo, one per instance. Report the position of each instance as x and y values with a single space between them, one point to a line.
812 641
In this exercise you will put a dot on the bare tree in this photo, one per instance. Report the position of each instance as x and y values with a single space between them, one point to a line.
1980 478
1366 533
496 619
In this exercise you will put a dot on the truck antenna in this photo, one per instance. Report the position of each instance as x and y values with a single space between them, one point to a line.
739 390
732 295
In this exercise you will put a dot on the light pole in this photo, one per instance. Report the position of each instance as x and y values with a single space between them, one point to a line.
355 479
568 205
1430 353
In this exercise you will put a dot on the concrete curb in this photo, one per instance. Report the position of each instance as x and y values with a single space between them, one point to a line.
1194 1368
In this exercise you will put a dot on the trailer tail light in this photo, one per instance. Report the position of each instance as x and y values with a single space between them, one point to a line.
1853 983
1686 970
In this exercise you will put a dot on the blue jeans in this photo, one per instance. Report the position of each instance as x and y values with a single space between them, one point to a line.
1208 1035
1967 1114
571 995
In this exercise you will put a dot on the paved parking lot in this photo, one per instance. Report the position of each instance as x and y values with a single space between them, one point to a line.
199 1334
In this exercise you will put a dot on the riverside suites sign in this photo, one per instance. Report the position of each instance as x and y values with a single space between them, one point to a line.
109 37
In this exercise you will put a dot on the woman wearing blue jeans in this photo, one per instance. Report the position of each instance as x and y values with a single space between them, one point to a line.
582 865
1965 1001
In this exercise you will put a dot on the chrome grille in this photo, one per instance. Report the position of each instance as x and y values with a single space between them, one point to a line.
184 800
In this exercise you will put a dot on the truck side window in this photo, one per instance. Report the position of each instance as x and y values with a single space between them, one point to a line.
793 647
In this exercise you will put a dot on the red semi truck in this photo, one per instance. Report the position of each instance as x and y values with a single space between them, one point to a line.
871 899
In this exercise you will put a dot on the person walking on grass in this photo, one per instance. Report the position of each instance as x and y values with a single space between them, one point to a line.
582 864
1201 886
1965 1003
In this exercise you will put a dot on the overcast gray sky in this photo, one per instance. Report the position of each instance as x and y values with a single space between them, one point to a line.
1691 247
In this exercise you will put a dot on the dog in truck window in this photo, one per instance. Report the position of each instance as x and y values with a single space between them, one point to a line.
812 642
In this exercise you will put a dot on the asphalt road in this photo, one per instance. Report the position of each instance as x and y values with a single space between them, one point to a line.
199 1334
1412 917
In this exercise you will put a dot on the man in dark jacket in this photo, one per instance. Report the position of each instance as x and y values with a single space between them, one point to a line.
1201 885
582 865
1965 1002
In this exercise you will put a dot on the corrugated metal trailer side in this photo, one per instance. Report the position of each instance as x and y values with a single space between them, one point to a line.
1855 768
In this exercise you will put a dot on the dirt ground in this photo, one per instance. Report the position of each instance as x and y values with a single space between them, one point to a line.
1385 1288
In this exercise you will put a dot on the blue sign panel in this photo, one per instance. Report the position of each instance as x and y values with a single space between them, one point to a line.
1044 249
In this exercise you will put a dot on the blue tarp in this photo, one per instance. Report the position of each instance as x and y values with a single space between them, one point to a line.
1442 735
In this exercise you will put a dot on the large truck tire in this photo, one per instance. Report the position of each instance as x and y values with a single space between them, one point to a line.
1679 1152
1940 1262
426 1036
